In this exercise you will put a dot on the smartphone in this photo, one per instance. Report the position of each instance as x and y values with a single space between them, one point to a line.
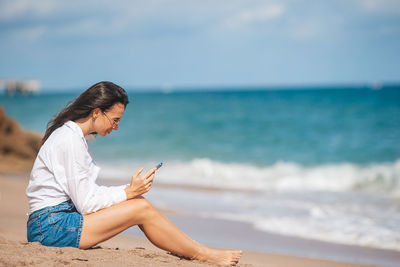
159 165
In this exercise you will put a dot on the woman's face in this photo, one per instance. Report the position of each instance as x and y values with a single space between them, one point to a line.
108 121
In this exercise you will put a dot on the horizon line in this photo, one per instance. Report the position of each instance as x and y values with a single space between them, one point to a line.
311 86
169 88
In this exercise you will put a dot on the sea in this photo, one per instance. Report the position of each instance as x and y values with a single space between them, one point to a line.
321 163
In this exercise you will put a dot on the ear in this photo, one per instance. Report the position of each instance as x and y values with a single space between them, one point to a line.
96 113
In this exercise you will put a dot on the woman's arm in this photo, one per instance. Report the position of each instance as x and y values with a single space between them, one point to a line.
76 173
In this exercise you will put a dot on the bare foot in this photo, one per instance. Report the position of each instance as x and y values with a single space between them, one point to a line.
219 257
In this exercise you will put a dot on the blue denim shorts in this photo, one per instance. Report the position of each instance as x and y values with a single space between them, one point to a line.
56 226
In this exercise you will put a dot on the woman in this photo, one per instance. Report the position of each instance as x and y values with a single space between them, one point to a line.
67 207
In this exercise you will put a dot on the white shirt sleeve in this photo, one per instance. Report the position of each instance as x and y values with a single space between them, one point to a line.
76 173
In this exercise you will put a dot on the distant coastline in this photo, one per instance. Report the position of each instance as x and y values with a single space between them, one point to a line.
237 88
20 87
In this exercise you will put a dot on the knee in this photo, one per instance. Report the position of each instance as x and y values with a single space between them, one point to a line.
142 203
142 207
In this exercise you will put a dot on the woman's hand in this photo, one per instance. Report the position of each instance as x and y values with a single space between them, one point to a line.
140 184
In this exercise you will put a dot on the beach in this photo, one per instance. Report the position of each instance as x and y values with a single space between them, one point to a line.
292 178
276 125
122 250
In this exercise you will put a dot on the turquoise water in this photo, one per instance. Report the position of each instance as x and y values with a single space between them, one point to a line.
309 127
321 163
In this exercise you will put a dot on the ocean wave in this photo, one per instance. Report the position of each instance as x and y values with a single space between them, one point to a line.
326 202
319 225
351 218
380 178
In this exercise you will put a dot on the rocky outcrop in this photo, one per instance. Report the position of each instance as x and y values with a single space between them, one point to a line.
18 148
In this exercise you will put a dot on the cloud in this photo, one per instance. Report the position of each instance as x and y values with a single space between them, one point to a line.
135 18
12 9
92 18
306 30
87 26
247 19
142 20
378 6
30 35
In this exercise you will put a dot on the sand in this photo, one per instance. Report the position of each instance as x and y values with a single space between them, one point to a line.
122 250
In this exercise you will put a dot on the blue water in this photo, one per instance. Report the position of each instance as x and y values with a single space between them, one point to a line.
313 163
308 127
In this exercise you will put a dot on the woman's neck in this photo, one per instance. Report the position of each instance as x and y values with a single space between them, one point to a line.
85 124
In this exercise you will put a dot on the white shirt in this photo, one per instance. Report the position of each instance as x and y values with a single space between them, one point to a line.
64 169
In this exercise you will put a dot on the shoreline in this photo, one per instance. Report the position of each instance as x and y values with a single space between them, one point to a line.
124 249
239 235
202 226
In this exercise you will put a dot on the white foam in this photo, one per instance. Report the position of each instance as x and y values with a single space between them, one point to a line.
344 218
326 202
383 178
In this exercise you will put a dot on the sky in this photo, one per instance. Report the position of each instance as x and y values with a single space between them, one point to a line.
209 43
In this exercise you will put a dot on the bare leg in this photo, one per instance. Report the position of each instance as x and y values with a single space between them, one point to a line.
106 223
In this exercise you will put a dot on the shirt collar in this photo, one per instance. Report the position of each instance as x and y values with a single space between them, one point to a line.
75 127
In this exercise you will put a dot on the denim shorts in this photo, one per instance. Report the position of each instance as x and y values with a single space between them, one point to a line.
56 226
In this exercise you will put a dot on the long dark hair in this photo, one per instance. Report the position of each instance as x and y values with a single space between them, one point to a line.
102 95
